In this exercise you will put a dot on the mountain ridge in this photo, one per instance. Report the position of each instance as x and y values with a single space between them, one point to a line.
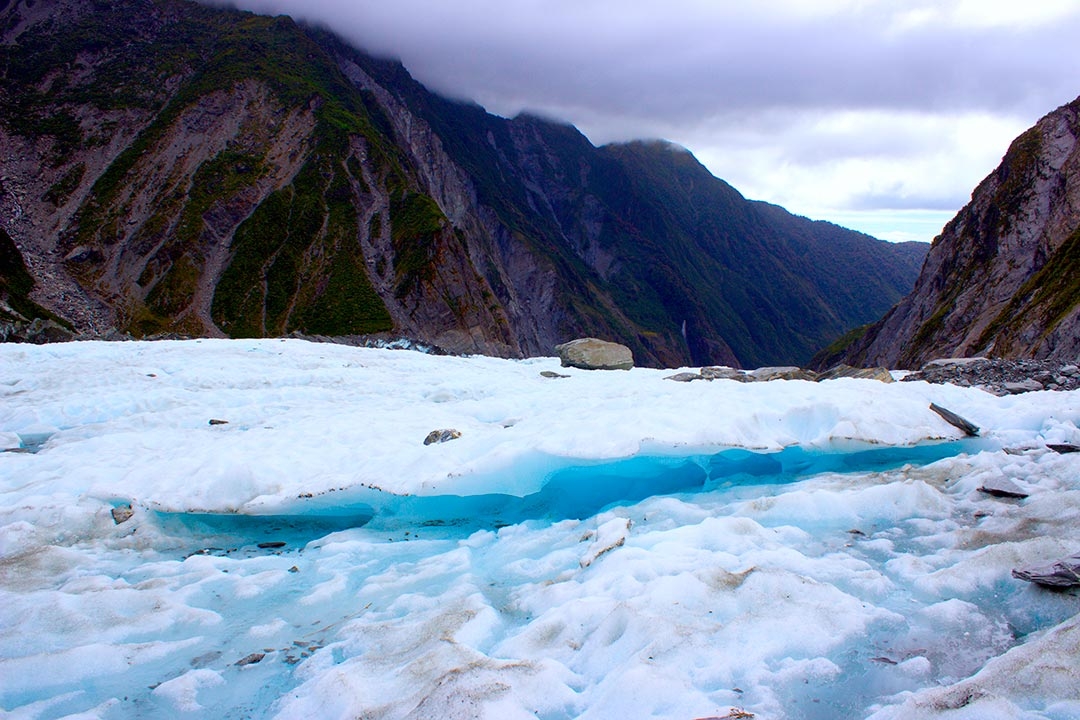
1003 277
186 169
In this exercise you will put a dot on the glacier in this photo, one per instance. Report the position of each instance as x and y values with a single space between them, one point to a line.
602 545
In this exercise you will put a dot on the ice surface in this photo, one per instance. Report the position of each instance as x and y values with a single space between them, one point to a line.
606 545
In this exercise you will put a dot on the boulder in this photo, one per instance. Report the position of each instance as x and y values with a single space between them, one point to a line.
593 354
766 374
39 331
953 361
43 331
1064 573
846 371
881 374
724 373
252 659
122 513
441 436
685 377
1029 385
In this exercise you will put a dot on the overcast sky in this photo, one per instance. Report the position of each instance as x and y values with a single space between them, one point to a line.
880 115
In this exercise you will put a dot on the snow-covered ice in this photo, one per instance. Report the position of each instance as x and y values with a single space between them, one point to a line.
610 544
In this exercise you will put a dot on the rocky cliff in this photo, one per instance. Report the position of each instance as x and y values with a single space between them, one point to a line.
1003 278
173 168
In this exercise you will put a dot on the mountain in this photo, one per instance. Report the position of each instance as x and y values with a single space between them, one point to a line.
174 168
1003 278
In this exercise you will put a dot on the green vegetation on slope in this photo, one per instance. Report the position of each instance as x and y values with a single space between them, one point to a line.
59 191
415 219
1047 297
1017 175
296 263
16 284
225 49
834 353
773 286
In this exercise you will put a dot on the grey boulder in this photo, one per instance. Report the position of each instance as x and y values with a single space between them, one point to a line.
594 354
724 373
846 371
685 377
767 374
440 436
1030 385
122 513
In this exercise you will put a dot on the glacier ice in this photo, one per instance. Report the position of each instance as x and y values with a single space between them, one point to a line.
608 545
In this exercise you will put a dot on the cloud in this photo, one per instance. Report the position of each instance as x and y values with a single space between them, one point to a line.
687 56
821 163
802 94
899 200
985 14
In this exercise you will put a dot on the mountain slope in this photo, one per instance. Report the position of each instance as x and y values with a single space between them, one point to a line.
1003 278
680 252
170 167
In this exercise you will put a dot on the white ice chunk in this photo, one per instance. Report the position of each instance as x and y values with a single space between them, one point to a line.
604 539
182 692
269 629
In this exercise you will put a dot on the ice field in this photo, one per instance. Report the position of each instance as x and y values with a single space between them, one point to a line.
605 545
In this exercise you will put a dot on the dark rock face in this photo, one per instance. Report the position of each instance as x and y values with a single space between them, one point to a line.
22 319
1003 278
169 167
38 331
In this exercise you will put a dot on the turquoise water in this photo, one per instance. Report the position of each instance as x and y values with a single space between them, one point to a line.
575 492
